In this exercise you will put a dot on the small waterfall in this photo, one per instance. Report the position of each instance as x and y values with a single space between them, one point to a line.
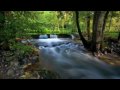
43 36
53 36
46 36
50 42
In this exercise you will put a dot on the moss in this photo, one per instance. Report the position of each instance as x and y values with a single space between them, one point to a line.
111 34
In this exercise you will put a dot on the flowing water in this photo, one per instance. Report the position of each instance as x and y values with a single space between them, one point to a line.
71 60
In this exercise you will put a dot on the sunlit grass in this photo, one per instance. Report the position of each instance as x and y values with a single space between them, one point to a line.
47 31
111 34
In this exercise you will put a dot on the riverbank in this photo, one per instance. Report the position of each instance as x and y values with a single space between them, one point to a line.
109 58
16 65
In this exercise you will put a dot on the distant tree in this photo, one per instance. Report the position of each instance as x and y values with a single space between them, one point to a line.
110 20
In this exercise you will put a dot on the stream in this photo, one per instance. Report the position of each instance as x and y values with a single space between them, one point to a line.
71 60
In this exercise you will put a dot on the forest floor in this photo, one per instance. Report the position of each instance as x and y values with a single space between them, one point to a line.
111 58
14 65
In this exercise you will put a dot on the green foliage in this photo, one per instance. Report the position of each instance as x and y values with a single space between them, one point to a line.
23 49
24 23
111 34
1 16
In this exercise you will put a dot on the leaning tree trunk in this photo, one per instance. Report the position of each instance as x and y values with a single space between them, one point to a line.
88 26
103 28
85 43
97 30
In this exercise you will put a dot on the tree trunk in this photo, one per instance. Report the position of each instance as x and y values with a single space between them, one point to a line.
97 30
85 43
88 26
103 28
74 28
110 21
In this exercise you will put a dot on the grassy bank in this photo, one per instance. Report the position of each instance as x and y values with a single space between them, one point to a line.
111 34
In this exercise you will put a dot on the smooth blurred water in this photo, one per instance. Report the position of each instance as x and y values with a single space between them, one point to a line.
43 36
53 36
71 61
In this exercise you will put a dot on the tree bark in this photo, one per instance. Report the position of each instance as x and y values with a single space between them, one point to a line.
85 43
103 28
97 30
94 33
